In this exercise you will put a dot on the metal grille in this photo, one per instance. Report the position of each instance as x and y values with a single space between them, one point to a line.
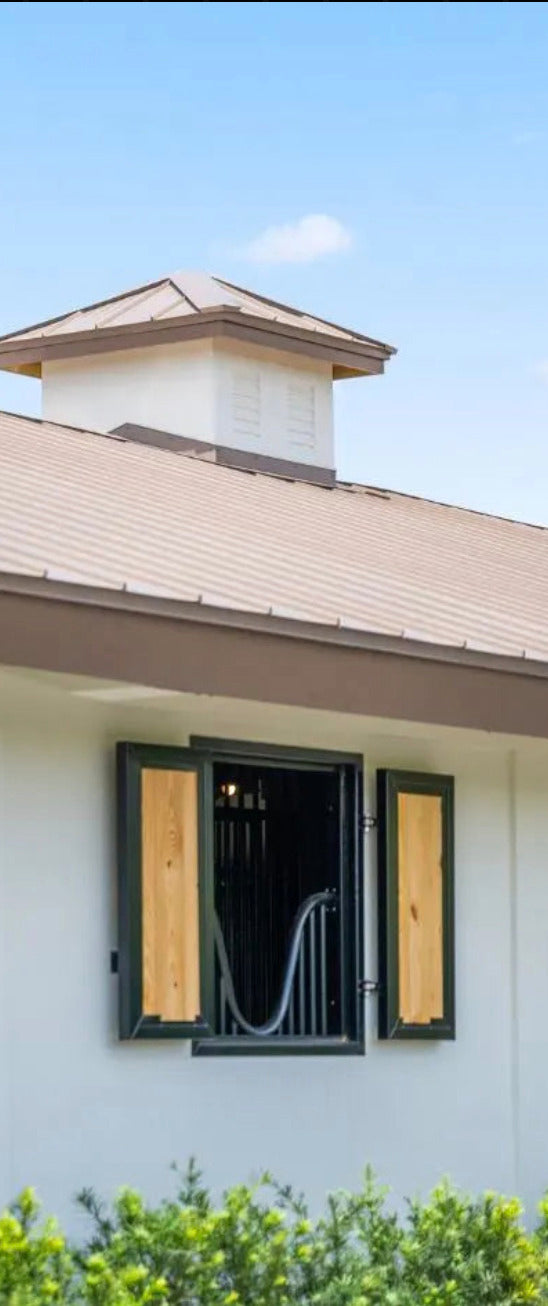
276 845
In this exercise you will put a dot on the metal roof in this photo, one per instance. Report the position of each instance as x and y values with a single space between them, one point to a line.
191 300
97 510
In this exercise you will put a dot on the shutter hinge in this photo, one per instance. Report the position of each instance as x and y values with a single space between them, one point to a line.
368 823
368 987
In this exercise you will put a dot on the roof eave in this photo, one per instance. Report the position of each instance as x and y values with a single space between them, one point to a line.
271 622
348 357
189 648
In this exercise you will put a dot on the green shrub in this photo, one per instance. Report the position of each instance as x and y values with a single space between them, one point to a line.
35 1266
259 1247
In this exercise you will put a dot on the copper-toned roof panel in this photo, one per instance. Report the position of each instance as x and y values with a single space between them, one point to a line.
181 294
116 513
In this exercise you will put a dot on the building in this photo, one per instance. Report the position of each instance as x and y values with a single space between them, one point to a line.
273 776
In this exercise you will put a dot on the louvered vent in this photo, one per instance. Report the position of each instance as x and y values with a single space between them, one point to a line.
301 413
246 402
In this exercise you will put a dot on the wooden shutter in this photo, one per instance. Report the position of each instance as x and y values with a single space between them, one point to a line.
416 917
159 800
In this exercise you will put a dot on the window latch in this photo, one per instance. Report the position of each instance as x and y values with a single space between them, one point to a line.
368 822
368 987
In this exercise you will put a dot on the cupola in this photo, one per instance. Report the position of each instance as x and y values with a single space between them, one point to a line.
194 362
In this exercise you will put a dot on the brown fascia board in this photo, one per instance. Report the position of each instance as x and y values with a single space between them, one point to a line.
185 647
347 357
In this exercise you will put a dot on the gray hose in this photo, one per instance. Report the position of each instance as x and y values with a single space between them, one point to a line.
280 1010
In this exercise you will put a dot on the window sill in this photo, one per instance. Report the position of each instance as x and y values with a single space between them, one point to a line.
245 1046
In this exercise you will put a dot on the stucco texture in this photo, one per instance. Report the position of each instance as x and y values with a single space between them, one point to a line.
77 1107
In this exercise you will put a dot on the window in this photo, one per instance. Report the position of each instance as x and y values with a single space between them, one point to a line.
416 917
240 897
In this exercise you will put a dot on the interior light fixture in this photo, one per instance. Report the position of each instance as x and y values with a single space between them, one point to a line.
228 789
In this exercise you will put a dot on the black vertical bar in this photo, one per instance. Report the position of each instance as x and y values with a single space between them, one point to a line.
323 969
312 971
222 1007
302 991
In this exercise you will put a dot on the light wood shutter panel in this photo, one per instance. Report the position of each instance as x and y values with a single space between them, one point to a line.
420 908
416 909
170 922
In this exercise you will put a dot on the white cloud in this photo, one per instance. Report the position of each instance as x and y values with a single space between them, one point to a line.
303 241
540 369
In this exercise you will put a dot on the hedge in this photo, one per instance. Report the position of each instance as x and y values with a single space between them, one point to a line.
260 1247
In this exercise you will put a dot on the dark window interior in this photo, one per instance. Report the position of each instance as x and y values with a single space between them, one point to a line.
277 843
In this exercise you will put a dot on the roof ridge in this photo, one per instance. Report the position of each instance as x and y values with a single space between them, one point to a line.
188 281
343 486
455 507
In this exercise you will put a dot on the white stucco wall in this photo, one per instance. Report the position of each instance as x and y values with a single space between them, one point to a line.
170 388
244 397
77 1107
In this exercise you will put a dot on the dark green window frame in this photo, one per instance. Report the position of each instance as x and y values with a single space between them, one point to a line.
201 756
390 784
131 760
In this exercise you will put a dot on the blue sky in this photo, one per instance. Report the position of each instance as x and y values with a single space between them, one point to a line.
140 138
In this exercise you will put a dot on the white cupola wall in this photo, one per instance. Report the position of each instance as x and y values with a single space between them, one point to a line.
191 358
258 400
